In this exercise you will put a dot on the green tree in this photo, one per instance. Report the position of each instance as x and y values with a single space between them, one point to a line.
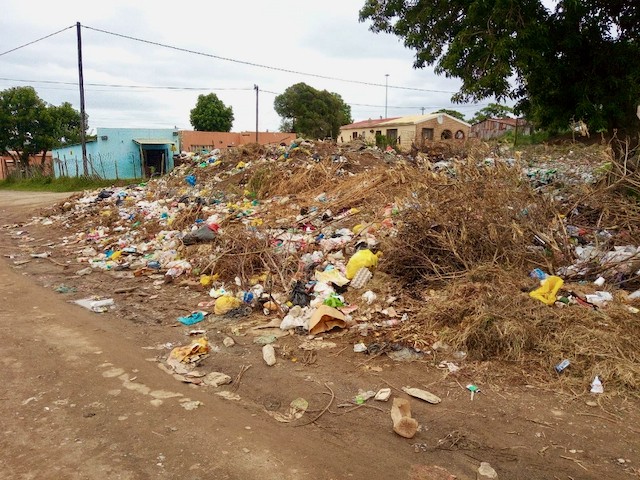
312 113
577 60
29 126
493 110
211 115
453 113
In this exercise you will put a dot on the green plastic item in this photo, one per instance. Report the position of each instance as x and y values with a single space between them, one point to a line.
334 301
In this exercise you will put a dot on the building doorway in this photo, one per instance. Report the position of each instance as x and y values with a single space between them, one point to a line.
154 161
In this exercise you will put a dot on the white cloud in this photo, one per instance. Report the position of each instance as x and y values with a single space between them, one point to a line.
323 38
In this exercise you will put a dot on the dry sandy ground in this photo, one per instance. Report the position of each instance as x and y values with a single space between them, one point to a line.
82 397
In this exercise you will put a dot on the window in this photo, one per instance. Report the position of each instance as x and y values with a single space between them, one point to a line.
354 135
392 135
459 135
378 133
427 134
446 135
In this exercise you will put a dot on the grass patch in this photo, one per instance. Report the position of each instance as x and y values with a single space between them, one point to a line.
61 184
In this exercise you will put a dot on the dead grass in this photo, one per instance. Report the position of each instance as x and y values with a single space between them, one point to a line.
476 216
489 314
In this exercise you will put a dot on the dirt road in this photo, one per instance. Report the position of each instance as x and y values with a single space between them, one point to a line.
82 396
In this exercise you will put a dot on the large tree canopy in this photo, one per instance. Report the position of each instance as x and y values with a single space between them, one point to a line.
576 61
29 126
312 113
211 115
453 113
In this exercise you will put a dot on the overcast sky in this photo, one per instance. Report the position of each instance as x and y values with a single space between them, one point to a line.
323 38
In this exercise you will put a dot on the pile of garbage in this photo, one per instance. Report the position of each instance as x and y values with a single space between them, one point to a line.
315 237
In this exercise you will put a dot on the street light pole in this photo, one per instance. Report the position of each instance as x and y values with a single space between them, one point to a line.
386 93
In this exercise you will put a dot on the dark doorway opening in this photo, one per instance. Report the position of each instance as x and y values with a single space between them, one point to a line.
154 162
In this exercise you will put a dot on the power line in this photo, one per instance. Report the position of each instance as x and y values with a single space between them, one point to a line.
259 65
176 88
452 107
115 85
36 41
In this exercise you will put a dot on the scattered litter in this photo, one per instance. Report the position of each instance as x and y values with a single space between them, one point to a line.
98 306
404 354
297 409
192 319
215 379
383 394
473 389
326 318
403 424
596 385
269 355
228 342
369 297
547 292
562 365
599 299
422 395
363 396
359 348
40 255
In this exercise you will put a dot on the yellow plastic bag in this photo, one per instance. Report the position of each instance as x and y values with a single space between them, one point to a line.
360 259
225 304
190 352
548 290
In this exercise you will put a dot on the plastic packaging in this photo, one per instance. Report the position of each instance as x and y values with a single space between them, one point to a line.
361 278
596 386
269 355
361 259
548 290
562 365
225 304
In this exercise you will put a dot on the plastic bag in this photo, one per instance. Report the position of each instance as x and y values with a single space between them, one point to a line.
299 295
195 317
361 259
548 290
203 234
225 304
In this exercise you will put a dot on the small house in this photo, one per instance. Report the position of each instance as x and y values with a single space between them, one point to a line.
407 131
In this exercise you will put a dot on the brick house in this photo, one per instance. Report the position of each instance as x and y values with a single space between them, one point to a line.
409 130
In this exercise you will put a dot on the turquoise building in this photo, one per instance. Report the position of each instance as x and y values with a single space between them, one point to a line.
121 153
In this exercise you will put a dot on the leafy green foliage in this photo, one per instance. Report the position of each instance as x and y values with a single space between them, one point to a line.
30 126
211 115
453 113
576 61
493 110
312 113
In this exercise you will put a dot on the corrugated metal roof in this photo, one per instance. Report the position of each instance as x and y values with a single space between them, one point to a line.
153 141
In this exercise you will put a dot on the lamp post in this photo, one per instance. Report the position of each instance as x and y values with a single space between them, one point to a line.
386 93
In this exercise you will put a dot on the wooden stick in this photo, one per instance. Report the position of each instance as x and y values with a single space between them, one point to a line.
333 396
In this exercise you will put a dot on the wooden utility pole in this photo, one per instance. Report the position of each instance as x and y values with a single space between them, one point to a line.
257 89
83 123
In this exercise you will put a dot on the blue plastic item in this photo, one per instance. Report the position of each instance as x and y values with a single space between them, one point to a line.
195 317
191 180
